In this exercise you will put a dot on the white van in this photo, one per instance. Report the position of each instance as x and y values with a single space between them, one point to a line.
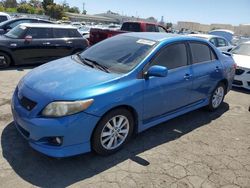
4 17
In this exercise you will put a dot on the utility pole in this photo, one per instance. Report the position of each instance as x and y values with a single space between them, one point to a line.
83 7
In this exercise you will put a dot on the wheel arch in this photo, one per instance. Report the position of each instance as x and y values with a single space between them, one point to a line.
9 54
127 107
225 82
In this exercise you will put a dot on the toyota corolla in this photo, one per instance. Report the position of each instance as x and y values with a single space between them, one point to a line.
95 100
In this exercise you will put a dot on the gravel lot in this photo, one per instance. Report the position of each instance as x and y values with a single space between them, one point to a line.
199 149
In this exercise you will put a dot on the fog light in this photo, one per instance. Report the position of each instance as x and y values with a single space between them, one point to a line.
57 141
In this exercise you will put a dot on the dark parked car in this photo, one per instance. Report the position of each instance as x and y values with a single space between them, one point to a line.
39 43
10 24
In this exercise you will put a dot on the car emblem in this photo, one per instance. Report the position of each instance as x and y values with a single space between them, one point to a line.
28 107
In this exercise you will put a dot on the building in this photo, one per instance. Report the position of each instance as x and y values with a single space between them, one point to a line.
241 30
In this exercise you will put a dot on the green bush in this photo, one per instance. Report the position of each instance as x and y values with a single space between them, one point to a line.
12 10
54 11
2 9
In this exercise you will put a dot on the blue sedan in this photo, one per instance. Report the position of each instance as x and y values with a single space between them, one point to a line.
96 100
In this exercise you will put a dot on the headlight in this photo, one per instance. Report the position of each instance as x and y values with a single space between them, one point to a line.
64 108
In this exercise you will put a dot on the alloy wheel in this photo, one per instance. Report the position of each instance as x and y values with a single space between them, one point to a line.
115 132
218 97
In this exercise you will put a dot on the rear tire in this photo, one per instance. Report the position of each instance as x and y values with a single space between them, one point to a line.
5 60
217 97
113 131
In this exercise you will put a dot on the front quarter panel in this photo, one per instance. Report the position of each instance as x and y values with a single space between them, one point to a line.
126 92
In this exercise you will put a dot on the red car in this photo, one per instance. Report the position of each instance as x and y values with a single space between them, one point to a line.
97 35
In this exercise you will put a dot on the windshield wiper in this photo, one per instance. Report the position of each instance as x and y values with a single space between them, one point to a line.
83 60
98 65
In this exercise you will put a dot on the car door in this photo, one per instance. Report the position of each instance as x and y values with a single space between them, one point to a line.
37 49
167 94
206 70
63 42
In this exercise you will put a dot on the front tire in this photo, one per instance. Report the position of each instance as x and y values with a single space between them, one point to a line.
5 60
113 131
217 97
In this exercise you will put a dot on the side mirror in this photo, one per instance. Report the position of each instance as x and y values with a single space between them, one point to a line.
157 71
28 38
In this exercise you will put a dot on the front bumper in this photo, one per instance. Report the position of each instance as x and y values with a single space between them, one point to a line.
242 78
76 131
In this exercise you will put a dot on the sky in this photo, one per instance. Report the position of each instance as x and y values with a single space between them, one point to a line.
233 12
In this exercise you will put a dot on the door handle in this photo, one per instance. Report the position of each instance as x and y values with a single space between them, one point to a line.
46 43
69 42
187 76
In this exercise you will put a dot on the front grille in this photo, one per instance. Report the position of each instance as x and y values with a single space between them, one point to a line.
239 71
237 82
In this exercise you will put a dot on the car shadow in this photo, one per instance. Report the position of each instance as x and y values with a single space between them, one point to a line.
43 171
242 90
19 67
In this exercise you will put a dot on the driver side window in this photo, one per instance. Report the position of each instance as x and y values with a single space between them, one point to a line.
172 56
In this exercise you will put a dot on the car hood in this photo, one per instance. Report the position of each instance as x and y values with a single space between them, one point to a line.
242 60
68 79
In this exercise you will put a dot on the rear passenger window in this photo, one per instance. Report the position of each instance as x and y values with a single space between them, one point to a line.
66 33
39 33
150 28
73 33
200 52
172 56
60 33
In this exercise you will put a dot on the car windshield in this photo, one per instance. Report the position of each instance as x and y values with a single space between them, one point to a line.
120 53
16 32
3 23
242 49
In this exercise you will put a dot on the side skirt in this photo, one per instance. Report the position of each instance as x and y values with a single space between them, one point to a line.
143 125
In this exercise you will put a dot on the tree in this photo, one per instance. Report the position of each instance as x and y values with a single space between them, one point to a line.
35 3
54 11
10 3
74 10
26 8
46 3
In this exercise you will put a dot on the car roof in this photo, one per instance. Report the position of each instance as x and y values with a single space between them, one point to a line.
47 25
151 35
160 37
4 14
204 36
